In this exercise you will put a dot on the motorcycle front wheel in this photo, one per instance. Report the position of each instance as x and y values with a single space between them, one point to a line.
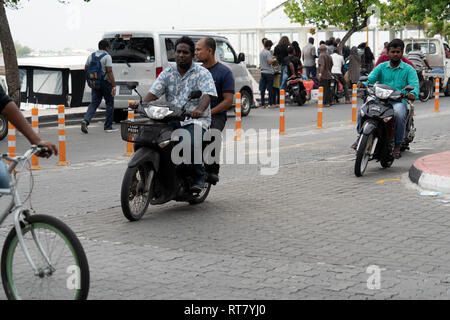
135 192
363 154
199 198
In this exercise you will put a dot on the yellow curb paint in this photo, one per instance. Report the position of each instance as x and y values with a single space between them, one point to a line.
383 181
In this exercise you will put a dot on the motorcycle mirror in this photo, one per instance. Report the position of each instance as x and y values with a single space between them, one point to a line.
363 78
132 85
195 95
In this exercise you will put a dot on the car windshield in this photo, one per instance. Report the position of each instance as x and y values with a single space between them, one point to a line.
131 49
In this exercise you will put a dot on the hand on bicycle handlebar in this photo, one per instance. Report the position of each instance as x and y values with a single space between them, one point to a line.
50 149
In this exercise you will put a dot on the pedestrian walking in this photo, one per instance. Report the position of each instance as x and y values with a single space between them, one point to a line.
267 74
325 65
309 59
100 79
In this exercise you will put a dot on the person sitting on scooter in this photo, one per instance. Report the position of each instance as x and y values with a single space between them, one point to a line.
398 75
417 57
176 83
224 81
292 62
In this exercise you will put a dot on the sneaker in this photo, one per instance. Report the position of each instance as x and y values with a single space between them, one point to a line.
198 185
84 126
212 178
355 144
111 130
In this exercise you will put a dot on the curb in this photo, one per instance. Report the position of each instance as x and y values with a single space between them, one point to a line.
421 176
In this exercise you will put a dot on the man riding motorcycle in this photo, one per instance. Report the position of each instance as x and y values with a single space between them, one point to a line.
418 59
176 83
398 75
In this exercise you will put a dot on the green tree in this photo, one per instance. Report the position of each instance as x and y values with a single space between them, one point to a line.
350 15
9 50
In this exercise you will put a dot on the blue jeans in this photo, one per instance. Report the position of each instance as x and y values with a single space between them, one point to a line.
284 78
311 72
399 118
196 147
96 99
4 176
266 83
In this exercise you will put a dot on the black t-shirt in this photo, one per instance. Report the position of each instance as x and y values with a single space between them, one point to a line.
4 99
224 81
295 61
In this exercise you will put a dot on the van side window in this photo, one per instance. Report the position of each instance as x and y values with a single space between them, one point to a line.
425 47
225 52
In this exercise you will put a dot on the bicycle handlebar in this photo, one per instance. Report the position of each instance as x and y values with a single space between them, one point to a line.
33 150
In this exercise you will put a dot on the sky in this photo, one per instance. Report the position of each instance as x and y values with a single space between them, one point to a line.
47 24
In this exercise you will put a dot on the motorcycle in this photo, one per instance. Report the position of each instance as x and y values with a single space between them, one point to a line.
377 125
296 90
337 89
152 178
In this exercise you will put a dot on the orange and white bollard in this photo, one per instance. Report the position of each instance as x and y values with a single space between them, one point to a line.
11 141
282 111
129 152
436 96
238 136
62 136
354 104
320 109
35 125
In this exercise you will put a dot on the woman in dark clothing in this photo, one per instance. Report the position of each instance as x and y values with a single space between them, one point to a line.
367 59
280 52
354 66
297 50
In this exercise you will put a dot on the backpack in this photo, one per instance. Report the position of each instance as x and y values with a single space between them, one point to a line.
94 73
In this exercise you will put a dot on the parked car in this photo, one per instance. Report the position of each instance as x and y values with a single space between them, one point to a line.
142 55
437 53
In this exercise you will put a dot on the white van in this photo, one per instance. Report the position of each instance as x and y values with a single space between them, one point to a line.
142 55
437 53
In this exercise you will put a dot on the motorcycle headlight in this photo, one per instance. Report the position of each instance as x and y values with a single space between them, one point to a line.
158 113
164 144
381 93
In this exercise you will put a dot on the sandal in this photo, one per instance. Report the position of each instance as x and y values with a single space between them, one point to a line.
396 154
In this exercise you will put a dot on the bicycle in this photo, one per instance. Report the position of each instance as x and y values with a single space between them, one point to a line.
41 244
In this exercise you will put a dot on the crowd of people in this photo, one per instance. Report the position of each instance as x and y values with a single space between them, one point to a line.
321 65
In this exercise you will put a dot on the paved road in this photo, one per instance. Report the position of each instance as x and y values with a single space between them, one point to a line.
308 232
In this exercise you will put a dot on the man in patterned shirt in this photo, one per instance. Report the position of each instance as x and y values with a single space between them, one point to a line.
176 83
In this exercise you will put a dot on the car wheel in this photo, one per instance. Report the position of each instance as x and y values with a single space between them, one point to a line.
246 103
3 127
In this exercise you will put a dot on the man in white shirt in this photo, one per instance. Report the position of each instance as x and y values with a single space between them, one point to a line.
338 64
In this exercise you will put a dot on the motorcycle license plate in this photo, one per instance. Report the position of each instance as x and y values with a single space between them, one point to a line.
124 91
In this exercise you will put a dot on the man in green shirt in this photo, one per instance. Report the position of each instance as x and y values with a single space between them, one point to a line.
398 75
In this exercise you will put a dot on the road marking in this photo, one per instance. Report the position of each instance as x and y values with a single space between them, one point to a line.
383 181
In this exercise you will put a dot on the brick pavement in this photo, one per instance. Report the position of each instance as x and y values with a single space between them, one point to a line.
309 232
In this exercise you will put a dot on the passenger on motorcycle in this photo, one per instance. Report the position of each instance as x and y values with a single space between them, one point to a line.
224 81
293 63
176 83
398 75
417 57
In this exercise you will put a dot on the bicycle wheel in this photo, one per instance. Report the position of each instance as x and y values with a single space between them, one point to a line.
68 276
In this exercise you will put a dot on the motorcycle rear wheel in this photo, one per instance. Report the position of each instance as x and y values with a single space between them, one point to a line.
133 196
363 154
